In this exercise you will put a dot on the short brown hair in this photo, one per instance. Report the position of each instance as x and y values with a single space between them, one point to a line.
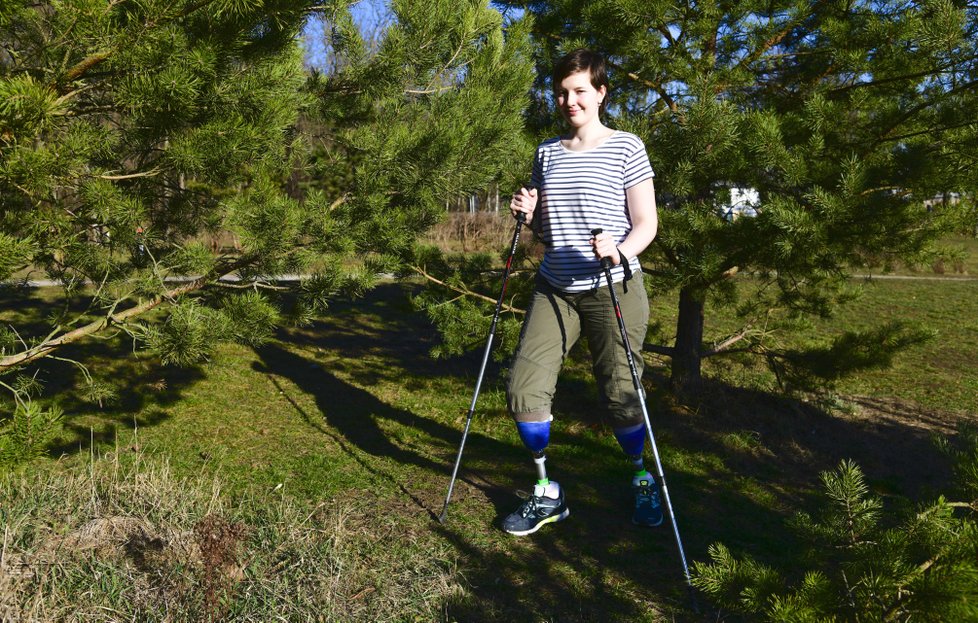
583 60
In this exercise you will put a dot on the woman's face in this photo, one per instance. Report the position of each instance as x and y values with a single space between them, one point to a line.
578 100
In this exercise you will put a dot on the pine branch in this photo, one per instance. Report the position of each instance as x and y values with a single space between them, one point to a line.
969 505
926 131
251 285
428 91
915 110
129 176
777 37
82 67
902 77
51 344
465 291
892 613
85 65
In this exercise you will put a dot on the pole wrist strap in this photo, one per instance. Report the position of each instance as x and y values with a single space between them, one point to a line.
626 267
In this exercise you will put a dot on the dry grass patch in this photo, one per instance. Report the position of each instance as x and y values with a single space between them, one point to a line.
126 540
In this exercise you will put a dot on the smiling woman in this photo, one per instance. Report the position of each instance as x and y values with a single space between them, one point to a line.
591 178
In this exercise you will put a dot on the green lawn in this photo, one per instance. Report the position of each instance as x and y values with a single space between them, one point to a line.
351 415
939 375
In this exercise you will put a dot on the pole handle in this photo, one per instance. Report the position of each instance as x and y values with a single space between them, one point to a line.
605 261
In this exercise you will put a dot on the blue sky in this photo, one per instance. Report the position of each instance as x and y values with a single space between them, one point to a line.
368 14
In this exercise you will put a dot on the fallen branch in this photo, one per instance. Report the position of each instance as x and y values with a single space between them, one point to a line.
726 344
658 349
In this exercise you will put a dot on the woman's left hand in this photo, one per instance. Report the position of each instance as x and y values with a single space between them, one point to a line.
604 246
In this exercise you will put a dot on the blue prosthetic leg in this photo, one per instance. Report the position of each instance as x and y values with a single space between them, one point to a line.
536 437
632 442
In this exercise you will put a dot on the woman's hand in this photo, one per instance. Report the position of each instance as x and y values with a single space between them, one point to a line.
524 201
604 246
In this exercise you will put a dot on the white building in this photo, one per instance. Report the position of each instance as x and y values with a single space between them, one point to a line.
743 202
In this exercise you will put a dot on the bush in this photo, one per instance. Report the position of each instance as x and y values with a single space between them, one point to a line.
924 567
26 433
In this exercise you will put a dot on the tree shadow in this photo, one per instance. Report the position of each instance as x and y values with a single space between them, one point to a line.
781 437
382 324
354 419
573 571
142 388
793 441
738 466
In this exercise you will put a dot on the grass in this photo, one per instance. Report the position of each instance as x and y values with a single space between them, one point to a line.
314 467
127 539
940 375
961 259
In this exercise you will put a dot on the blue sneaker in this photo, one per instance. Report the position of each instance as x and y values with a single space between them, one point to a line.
648 507
540 509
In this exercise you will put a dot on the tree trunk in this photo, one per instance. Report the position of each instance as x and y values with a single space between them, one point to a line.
688 355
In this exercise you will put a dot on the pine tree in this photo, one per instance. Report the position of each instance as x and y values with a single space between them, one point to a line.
859 564
141 142
843 116
435 113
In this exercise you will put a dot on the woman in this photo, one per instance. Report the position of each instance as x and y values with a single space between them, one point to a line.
591 178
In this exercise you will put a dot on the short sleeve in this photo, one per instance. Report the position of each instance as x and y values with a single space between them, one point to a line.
637 166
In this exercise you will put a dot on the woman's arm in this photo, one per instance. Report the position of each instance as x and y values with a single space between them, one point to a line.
645 224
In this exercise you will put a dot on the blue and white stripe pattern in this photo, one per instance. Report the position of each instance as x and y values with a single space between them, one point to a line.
580 191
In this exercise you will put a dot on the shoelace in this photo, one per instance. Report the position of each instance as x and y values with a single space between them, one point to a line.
532 505
529 506
646 496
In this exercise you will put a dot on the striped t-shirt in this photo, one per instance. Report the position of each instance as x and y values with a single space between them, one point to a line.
580 191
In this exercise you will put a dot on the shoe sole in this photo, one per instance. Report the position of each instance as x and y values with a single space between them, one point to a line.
553 519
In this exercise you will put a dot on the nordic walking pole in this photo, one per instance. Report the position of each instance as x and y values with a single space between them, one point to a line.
637 382
520 220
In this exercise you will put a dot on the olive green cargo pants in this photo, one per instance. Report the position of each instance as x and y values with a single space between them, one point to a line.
554 322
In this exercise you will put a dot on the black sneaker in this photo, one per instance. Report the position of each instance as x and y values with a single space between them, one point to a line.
648 508
536 511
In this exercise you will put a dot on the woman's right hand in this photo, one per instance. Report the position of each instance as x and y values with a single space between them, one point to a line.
524 201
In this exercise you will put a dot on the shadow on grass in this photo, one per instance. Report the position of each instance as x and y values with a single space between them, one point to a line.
579 570
777 438
143 391
574 575
384 325
355 420
142 388
737 468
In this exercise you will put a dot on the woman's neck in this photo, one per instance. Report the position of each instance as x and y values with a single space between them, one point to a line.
587 137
